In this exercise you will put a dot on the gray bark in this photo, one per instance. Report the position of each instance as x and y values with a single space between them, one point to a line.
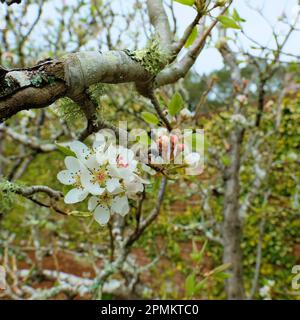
232 225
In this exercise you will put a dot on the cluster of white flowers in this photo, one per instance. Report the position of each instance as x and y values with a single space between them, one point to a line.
109 174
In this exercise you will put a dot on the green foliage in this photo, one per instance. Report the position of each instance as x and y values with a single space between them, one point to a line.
192 37
66 151
228 22
194 285
150 117
176 104
237 17
186 2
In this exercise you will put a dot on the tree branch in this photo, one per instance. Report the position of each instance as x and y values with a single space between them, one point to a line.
160 22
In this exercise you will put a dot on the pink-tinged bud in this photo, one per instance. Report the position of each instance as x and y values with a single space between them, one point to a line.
174 139
180 147
165 141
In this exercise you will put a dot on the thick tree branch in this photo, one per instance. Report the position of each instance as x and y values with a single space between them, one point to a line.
159 20
44 83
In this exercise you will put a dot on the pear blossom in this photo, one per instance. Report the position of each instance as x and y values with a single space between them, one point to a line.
72 176
103 209
108 173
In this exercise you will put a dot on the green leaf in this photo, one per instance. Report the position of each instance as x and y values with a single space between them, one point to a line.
196 255
66 151
190 40
225 160
186 2
80 214
190 283
237 17
222 276
228 22
219 269
200 285
150 117
176 104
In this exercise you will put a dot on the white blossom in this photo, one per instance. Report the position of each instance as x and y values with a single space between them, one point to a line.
110 174
72 176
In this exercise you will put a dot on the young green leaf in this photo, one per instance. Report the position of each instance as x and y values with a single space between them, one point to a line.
228 22
222 276
219 269
80 214
176 104
186 2
66 151
190 283
190 40
150 117
197 255
225 160
237 17
199 286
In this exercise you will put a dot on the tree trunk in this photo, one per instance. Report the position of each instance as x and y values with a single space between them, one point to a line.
232 226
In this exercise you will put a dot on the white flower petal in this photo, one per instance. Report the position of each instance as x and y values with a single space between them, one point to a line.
87 180
111 154
134 187
126 154
101 156
92 204
99 142
102 214
132 165
91 162
80 149
66 177
122 173
112 184
72 163
120 205
75 195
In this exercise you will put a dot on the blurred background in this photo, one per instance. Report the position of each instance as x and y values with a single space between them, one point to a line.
181 255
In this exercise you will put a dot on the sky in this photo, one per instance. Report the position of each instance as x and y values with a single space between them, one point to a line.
255 27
